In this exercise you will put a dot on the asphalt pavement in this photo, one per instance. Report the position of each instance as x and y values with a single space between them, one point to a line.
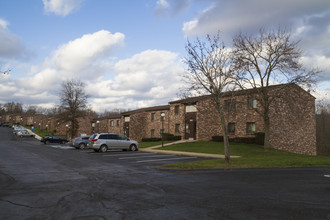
40 181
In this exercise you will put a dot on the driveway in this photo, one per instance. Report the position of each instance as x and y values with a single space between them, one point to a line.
40 181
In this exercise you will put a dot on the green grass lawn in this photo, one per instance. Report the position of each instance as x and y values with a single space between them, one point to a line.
251 156
41 132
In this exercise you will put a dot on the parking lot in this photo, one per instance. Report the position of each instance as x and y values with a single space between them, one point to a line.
131 157
54 181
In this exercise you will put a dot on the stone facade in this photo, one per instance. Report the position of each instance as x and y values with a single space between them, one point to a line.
292 119
146 122
293 122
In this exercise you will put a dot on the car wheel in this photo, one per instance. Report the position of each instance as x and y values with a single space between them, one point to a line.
133 147
82 146
46 142
103 148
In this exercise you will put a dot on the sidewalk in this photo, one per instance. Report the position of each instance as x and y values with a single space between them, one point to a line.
182 153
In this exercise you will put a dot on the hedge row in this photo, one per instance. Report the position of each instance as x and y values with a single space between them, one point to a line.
258 139
167 137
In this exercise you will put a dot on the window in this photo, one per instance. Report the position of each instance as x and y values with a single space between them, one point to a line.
191 108
250 127
152 133
177 128
111 123
118 123
230 105
122 137
152 116
252 103
103 136
161 131
231 128
113 136
176 109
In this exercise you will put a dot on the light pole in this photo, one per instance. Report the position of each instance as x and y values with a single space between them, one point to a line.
98 126
162 115
67 127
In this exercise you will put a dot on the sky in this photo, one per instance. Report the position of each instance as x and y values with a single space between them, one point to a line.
129 53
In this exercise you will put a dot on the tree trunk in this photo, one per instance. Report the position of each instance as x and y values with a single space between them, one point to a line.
225 139
267 132
225 133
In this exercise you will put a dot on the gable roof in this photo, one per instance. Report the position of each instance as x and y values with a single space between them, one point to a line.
192 100
149 109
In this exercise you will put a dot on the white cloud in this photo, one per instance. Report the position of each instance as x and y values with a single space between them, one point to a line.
235 15
149 78
308 20
84 58
61 7
12 47
77 56
170 7
146 79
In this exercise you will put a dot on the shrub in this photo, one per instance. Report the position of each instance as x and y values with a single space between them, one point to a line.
151 139
243 140
171 137
167 137
260 138
217 138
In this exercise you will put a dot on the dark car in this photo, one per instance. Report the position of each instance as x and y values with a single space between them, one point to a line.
80 142
51 139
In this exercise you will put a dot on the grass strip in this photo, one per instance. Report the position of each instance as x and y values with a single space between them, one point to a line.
251 156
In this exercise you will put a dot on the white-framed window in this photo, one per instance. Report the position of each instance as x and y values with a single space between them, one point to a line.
250 127
112 123
191 108
252 103
177 128
231 128
176 109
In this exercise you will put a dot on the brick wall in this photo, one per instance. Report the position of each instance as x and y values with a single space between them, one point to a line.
293 122
137 126
177 118
292 119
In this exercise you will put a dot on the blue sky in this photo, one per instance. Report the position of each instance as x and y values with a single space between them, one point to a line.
129 53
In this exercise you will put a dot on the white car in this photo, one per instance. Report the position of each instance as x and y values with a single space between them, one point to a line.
109 141
24 133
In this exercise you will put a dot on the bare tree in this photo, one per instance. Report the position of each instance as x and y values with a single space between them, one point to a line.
13 107
270 57
73 104
209 72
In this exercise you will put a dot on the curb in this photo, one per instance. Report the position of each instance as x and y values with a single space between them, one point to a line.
182 153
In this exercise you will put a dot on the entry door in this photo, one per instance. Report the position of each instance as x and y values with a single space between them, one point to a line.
126 129
190 126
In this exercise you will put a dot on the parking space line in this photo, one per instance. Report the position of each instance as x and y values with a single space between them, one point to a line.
123 158
173 158
118 154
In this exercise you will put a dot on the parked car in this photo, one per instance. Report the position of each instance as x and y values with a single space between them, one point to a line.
17 129
106 141
80 142
5 125
24 133
51 139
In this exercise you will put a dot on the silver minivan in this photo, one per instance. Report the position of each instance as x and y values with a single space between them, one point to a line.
110 141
